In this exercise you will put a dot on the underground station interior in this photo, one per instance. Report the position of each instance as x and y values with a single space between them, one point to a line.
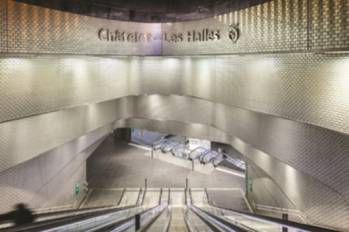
174 115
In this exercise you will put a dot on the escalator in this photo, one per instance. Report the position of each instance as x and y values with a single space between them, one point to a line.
197 214
232 220
163 210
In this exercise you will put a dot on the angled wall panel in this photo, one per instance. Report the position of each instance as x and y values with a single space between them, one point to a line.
35 29
3 26
49 179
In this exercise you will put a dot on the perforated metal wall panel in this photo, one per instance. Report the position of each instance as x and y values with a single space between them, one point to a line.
288 113
295 189
260 137
298 144
3 26
49 179
33 29
329 24
309 88
52 130
274 26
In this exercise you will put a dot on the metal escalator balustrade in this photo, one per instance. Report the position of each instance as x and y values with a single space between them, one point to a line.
208 157
133 223
255 222
82 219
160 223
59 224
197 153
233 220
216 223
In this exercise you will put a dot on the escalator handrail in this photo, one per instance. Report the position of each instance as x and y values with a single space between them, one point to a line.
190 196
277 220
215 222
151 222
169 221
160 197
139 195
67 211
122 196
207 197
144 195
169 196
56 222
97 208
113 226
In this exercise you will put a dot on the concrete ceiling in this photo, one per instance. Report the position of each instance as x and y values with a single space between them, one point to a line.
147 10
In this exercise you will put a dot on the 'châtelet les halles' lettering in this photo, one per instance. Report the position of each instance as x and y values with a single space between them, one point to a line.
189 36
203 35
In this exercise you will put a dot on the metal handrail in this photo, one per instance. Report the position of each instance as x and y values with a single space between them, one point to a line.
281 222
207 196
49 215
144 194
190 196
139 195
294 212
51 223
160 197
169 221
169 196
122 196
97 208
187 225
151 222
128 222
215 223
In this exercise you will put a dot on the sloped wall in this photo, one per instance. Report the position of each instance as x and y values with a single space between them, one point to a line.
49 180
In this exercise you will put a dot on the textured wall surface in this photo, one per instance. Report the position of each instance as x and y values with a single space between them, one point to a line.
18 143
287 113
3 26
329 24
49 179
274 26
284 149
310 88
291 188
34 29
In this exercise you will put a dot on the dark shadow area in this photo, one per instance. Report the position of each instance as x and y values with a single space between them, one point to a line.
148 11
21 215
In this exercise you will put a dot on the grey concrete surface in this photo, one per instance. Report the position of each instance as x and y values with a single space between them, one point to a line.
118 165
